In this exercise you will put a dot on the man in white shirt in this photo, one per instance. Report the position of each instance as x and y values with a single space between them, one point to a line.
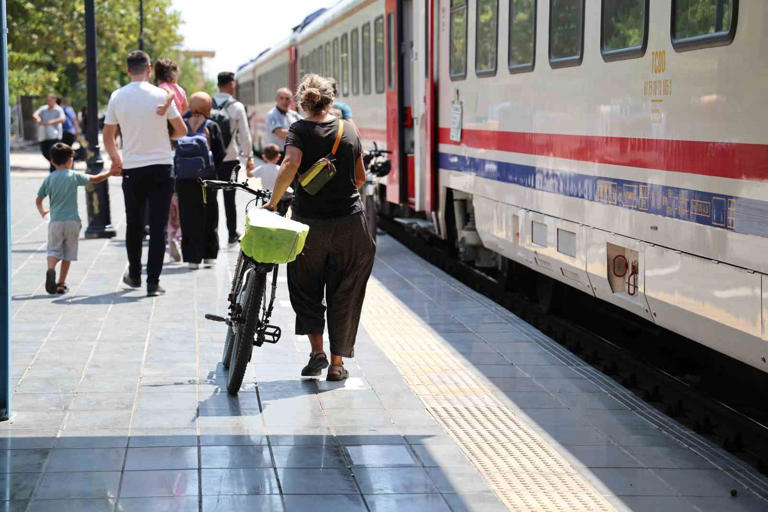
50 118
146 165
280 118
240 137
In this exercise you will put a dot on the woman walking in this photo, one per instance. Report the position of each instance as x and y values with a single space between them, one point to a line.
199 218
339 251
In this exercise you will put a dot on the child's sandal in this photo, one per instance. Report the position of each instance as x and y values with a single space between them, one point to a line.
61 288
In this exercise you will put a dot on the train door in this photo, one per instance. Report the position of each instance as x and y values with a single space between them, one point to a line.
395 185
420 80
410 92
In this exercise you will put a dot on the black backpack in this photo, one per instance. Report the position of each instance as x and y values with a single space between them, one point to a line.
220 116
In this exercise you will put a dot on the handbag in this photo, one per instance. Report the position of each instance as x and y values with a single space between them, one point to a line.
322 171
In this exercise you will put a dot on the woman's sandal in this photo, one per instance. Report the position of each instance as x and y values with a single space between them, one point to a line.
62 288
337 373
318 361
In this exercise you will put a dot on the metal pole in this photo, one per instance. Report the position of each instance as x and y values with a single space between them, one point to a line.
141 25
97 196
5 227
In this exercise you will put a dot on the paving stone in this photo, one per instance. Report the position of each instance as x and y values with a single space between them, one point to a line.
83 484
140 484
239 481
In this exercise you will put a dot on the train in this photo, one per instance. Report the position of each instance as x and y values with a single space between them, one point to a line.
614 146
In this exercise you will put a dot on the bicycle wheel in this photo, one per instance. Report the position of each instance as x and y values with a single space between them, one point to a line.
233 300
252 293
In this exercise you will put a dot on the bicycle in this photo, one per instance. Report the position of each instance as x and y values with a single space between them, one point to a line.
378 166
249 310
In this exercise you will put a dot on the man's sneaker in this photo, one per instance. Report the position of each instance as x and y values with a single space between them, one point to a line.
233 239
133 283
173 250
209 262
193 266
153 290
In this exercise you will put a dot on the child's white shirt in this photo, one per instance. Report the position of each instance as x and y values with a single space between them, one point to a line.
268 175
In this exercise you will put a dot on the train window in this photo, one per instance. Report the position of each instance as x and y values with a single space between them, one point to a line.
702 23
458 35
380 59
246 92
391 50
366 50
566 32
486 37
624 29
354 60
522 35
345 64
335 59
539 233
327 66
566 242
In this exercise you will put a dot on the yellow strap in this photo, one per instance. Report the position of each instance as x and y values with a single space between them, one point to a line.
338 137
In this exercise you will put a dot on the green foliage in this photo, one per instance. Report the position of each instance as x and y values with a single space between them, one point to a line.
566 30
702 17
522 32
623 24
486 38
46 40
458 37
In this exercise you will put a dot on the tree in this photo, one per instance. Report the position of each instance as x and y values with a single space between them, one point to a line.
46 41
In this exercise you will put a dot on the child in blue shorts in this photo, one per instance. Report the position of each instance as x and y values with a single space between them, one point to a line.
64 228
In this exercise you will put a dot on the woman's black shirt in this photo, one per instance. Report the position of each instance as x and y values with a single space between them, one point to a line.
339 197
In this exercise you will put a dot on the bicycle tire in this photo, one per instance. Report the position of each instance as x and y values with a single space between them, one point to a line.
253 292
229 340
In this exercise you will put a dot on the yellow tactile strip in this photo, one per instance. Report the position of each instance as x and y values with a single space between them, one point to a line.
524 471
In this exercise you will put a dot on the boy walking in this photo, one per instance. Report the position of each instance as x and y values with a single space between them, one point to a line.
64 228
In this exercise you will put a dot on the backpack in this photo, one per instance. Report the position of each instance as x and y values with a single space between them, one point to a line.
221 117
193 159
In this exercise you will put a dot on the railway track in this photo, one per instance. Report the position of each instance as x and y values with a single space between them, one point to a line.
721 399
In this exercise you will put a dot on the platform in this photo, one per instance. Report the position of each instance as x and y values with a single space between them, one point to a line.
454 404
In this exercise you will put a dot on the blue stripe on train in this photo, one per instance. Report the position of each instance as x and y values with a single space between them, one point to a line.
738 214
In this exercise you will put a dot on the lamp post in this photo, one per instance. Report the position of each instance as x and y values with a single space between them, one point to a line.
5 227
141 25
99 218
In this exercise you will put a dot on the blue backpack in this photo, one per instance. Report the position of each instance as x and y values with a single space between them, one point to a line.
193 159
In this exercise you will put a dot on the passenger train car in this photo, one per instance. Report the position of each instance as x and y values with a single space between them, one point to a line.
617 146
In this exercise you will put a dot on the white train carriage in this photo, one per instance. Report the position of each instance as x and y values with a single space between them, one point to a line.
347 43
613 145
259 80
616 146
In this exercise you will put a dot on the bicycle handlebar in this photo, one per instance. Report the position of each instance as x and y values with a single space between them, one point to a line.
232 185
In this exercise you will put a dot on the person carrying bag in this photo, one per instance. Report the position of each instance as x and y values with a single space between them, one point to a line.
338 254
197 155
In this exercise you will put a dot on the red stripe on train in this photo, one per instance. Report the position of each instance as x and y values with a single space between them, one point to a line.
719 159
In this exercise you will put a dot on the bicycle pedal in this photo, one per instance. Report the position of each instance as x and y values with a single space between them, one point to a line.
272 333
215 318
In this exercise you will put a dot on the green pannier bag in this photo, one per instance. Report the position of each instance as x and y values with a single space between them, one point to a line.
270 238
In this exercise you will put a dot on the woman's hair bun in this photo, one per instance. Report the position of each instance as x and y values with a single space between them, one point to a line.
310 95
315 93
